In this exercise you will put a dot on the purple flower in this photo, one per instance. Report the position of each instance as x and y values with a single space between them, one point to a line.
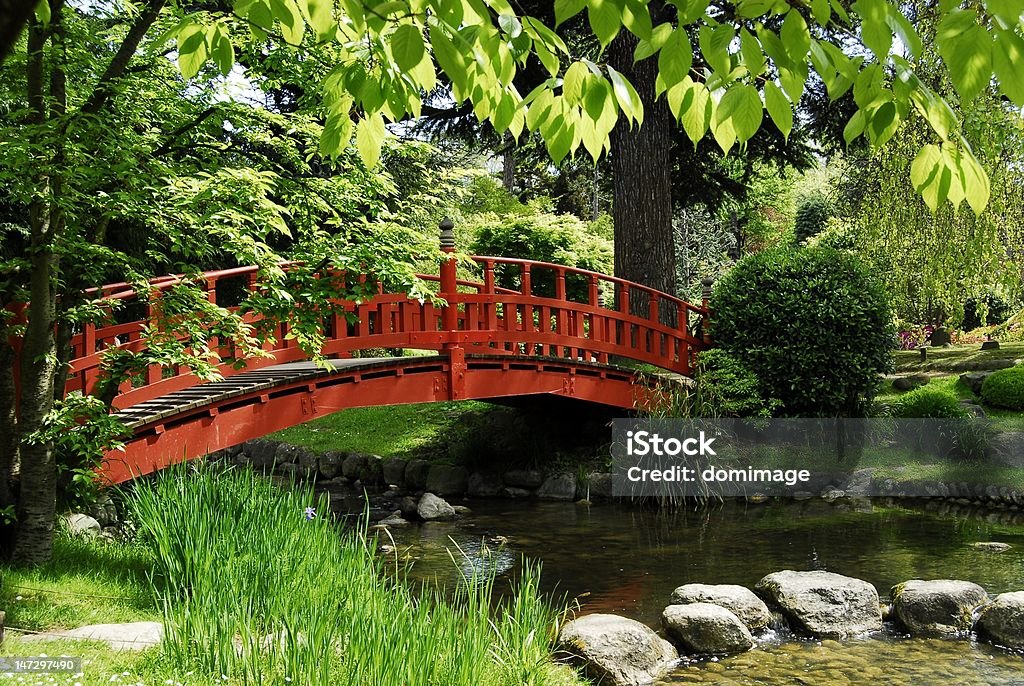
310 513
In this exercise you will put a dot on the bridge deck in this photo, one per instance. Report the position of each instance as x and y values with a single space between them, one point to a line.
267 378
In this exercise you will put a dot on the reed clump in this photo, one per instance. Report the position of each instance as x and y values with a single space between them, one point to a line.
259 584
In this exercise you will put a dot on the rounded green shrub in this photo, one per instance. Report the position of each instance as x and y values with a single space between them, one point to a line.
1005 388
929 403
811 324
726 388
811 217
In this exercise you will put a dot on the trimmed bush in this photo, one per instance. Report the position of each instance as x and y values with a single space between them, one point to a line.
1005 388
811 324
726 388
811 217
929 403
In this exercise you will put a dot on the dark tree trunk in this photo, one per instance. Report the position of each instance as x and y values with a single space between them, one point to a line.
8 420
508 164
14 15
642 197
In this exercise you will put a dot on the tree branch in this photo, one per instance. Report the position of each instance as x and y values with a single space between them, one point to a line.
119 64
14 14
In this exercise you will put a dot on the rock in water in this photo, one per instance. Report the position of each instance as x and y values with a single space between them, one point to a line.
706 629
991 546
823 604
80 524
936 608
1002 620
617 651
558 487
431 508
739 600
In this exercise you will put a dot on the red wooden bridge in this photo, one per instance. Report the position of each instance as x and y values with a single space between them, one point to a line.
562 331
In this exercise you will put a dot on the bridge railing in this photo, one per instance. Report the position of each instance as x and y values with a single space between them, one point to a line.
517 307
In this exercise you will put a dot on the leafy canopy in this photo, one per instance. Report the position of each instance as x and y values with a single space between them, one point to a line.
720 67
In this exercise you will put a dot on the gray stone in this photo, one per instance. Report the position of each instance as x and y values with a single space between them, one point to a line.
991 546
706 629
261 452
974 408
394 520
558 487
130 636
909 383
408 506
445 479
104 510
936 608
431 508
616 651
1007 448
859 483
974 380
483 485
462 510
289 470
530 479
394 471
329 464
940 337
1002 620
739 600
80 524
416 474
598 485
371 473
353 465
990 345
516 493
823 604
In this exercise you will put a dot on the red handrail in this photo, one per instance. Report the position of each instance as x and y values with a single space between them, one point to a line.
488 319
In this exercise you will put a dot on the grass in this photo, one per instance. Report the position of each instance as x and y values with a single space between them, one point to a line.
1001 420
394 430
955 358
255 588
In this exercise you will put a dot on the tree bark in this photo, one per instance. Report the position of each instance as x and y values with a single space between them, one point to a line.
642 196
508 163
14 15
8 419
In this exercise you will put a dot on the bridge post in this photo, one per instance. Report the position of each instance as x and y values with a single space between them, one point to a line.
450 314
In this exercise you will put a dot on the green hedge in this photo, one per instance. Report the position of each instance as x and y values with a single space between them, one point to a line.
1005 388
811 323
929 403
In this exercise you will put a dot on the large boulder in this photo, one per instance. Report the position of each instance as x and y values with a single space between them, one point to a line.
523 478
261 452
416 474
81 524
616 651
739 600
706 629
394 471
371 473
353 464
445 479
823 604
484 485
1002 620
558 487
936 608
974 380
329 464
431 508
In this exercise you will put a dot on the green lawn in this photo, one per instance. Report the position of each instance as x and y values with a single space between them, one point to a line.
956 358
1002 420
394 430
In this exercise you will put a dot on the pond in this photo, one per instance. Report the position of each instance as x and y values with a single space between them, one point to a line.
627 561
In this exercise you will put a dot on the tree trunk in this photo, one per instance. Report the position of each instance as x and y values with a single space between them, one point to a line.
508 163
642 197
8 420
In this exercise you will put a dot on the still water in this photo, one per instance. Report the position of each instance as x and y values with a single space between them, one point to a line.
610 558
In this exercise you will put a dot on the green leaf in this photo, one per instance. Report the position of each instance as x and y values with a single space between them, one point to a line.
1008 64
646 48
822 11
883 121
902 27
926 173
636 17
605 20
855 126
966 48
320 14
796 38
779 108
572 82
449 58
223 51
407 46
370 134
714 45
567 9
627 97
723 131
976 183
691 104
741 105
510 24
292 25
675 58
192 50
42 11
597 95
750 50
874 29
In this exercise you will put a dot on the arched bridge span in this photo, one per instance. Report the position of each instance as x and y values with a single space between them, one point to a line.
550 330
